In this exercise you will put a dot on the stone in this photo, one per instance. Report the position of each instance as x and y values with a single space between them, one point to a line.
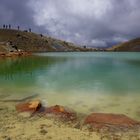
77 126
61 111
100 120
31 106
6 138
25 114
43 131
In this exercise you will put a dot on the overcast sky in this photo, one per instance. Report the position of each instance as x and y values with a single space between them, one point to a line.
89 22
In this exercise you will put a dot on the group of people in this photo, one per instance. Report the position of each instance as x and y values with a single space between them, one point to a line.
5 26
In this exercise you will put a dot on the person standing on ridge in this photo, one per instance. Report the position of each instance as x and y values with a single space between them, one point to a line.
18 27
9 26
3 26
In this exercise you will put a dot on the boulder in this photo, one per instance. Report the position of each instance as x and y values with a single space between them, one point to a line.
100 120
61 111
31 106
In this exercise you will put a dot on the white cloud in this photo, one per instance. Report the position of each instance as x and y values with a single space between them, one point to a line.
98 43
119 39
88 21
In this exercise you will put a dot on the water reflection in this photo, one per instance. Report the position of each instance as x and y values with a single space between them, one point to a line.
23 65
78 72
106 82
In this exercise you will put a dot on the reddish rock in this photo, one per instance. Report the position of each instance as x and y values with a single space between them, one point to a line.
15 54
32 106
2 54
61 111
99 120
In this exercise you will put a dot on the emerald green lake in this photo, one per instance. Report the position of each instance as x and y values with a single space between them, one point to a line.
87 82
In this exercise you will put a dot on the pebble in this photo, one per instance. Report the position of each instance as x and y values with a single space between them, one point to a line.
43 132
77 126
7 138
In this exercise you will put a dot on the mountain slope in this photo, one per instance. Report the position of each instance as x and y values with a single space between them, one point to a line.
28 41
132 45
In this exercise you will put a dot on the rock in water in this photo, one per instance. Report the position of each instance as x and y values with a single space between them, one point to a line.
31 106
100 120
61 111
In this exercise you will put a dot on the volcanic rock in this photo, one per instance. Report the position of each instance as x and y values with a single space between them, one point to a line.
101 120
31 106
61 111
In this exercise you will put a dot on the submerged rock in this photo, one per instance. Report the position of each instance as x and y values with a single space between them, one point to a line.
31 106
52 111
62 112
103 120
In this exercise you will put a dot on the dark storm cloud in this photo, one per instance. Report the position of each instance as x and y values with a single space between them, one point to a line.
92 22
17 12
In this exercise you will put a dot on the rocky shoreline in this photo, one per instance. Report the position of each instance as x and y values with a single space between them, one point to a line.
31 120
15 54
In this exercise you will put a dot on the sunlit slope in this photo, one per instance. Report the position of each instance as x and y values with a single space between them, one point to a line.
132 45
29 41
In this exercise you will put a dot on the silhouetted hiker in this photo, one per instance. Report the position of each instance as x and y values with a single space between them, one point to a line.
30 30
18 27
9 26
3 26
6 26
41 35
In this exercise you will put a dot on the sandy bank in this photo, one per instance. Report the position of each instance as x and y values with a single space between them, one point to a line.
19 126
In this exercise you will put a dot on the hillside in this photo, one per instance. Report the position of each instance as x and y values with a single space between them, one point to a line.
132 46
31 42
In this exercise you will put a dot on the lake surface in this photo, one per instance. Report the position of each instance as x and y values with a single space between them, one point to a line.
87 82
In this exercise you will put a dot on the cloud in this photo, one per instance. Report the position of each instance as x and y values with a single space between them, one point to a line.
90 22
17 12
98 43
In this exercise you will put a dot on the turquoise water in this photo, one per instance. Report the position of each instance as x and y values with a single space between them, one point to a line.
87 82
